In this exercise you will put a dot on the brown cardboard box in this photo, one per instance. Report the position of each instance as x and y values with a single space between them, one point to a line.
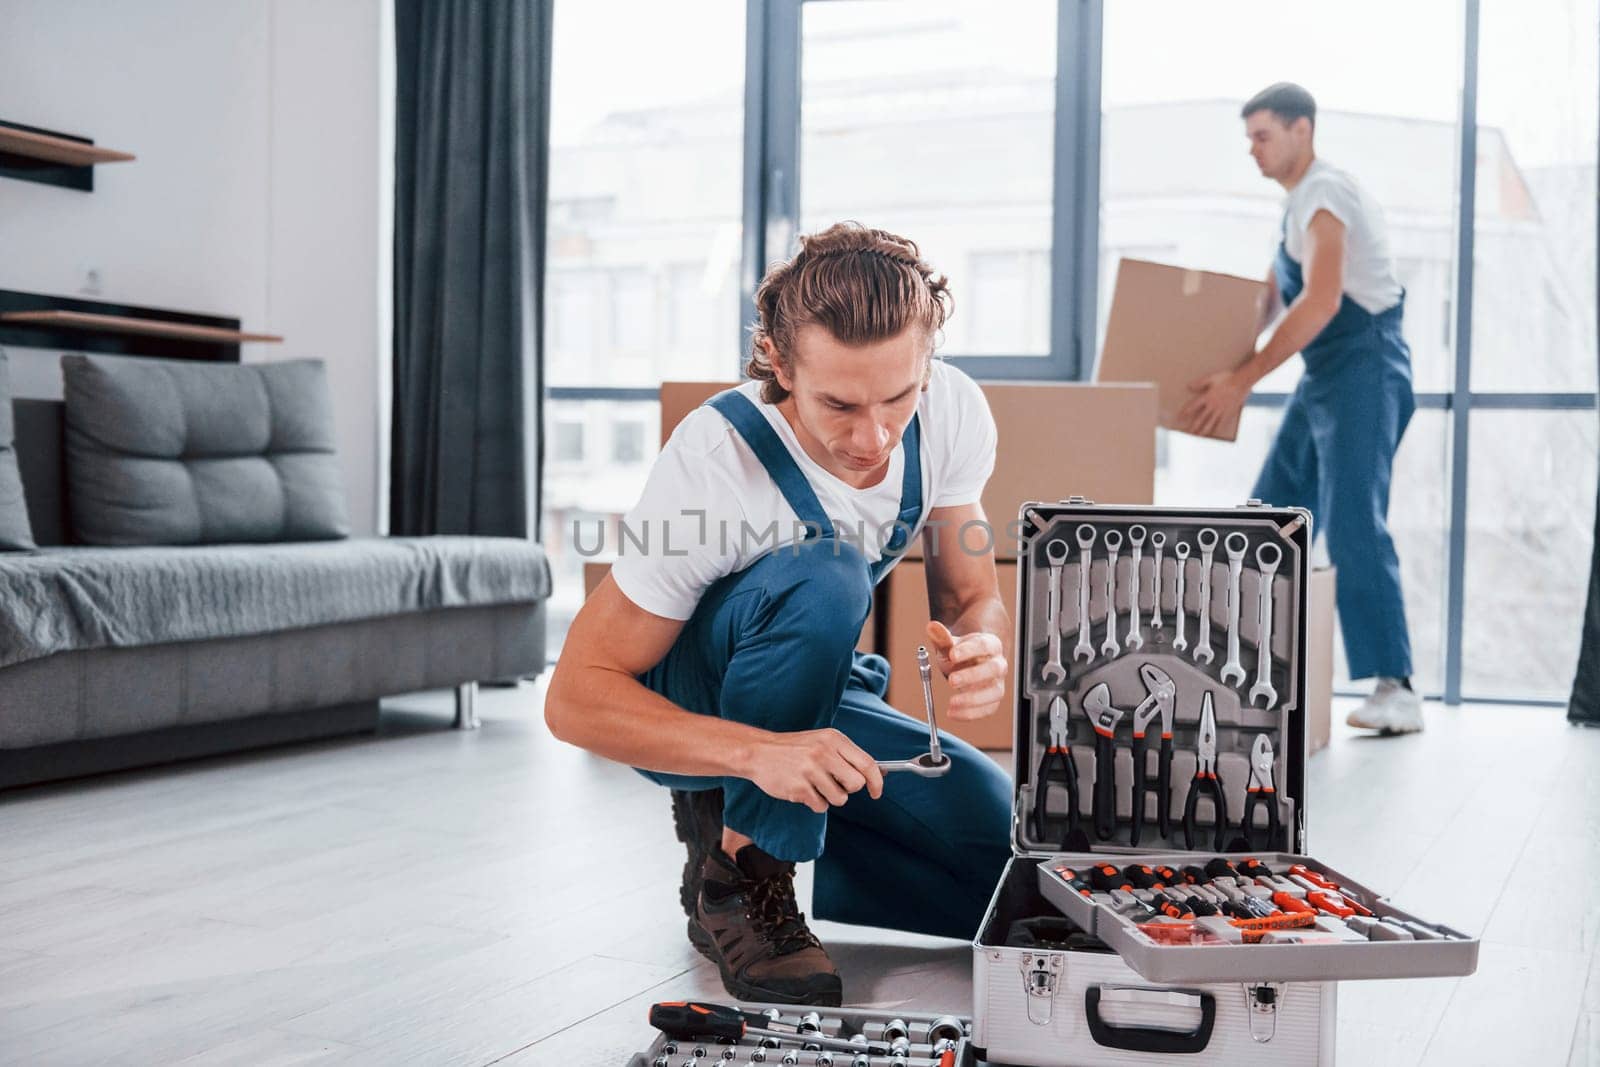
680 398
906 599
1171 326
595 573
1057 439
1319 658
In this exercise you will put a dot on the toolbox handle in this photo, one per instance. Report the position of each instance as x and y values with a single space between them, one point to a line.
1151 1039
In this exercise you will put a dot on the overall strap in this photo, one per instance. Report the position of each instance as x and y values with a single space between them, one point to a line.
910 498
758 433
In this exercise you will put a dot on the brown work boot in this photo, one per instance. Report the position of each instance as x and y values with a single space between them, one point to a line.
748 924
697 819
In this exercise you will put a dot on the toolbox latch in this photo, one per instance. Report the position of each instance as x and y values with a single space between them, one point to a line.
1040 975
1261 1006
1077 500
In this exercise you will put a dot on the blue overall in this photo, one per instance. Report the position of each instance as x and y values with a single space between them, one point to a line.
1334 454
773 646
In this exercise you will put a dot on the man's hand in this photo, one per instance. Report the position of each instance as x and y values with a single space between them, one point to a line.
1219 399
975 665
813 767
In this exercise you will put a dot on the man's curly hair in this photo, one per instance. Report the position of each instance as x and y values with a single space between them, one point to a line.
861 285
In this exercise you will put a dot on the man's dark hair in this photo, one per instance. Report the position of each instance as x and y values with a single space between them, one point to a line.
1286 100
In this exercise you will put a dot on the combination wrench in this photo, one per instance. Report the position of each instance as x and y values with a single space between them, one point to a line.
1158 540
1181 550
1085 648
1207 540
1232 671
1268 556
1135 639
1109 646
932 763
1055 553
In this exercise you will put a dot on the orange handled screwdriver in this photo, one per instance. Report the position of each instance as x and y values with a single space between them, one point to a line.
1292 904
1309 875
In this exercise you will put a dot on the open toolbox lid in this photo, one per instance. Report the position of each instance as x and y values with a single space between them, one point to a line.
1117 665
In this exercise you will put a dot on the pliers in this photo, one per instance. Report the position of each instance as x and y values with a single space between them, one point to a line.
1260 791
1205 779
1162 692
1058 757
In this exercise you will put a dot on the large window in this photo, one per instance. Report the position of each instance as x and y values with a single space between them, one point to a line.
1531 470
936 120
1178 185
1029 147
646 163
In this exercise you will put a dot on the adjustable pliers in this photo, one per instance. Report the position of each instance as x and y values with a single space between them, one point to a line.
1260 790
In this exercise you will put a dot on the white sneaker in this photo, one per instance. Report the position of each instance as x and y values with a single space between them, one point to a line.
1391 709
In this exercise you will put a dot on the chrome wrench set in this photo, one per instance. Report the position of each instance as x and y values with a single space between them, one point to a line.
1140 597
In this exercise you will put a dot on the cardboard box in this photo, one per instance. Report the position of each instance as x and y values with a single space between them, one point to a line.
595 573
904 596
1319 658
1056 439
1170 326
680 398
1061 439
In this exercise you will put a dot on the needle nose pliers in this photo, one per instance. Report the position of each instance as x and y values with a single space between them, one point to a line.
1206 779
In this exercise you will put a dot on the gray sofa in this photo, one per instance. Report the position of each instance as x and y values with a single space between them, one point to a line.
114 657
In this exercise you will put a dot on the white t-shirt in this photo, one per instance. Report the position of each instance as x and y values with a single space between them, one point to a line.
1369 277
709 508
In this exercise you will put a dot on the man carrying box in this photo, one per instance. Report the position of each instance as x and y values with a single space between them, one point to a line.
1334 452
723 665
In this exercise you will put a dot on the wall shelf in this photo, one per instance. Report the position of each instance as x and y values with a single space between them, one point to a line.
37 320
87 320
32 154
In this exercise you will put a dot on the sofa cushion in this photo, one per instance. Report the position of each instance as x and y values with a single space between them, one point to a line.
15 532
73 599
162 452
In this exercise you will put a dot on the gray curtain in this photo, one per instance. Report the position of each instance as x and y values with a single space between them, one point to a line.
471 161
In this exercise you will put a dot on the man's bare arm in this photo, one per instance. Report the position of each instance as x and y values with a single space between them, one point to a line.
596 702
1317 303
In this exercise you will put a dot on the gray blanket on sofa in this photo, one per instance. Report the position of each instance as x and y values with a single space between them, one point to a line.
68 599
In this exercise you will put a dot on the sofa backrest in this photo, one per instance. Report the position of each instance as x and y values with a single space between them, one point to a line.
41 447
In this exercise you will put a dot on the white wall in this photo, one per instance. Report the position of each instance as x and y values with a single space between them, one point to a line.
255 195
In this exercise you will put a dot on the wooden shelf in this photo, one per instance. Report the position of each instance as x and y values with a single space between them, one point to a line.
87 320
53 149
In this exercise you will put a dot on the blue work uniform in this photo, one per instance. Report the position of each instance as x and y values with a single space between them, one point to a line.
773 646
1334 455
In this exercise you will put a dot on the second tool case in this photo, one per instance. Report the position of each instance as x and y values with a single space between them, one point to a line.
1160 901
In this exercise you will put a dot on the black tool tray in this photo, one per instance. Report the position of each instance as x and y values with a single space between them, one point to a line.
1138 665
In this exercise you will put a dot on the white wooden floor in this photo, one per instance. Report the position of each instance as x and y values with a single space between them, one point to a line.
435 897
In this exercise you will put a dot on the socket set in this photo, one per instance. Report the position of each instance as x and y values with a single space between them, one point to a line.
702 1034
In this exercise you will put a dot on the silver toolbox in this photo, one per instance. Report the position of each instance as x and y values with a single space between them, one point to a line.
1164 649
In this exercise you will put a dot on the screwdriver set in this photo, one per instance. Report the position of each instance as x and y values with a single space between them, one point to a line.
699 1034
1161 900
